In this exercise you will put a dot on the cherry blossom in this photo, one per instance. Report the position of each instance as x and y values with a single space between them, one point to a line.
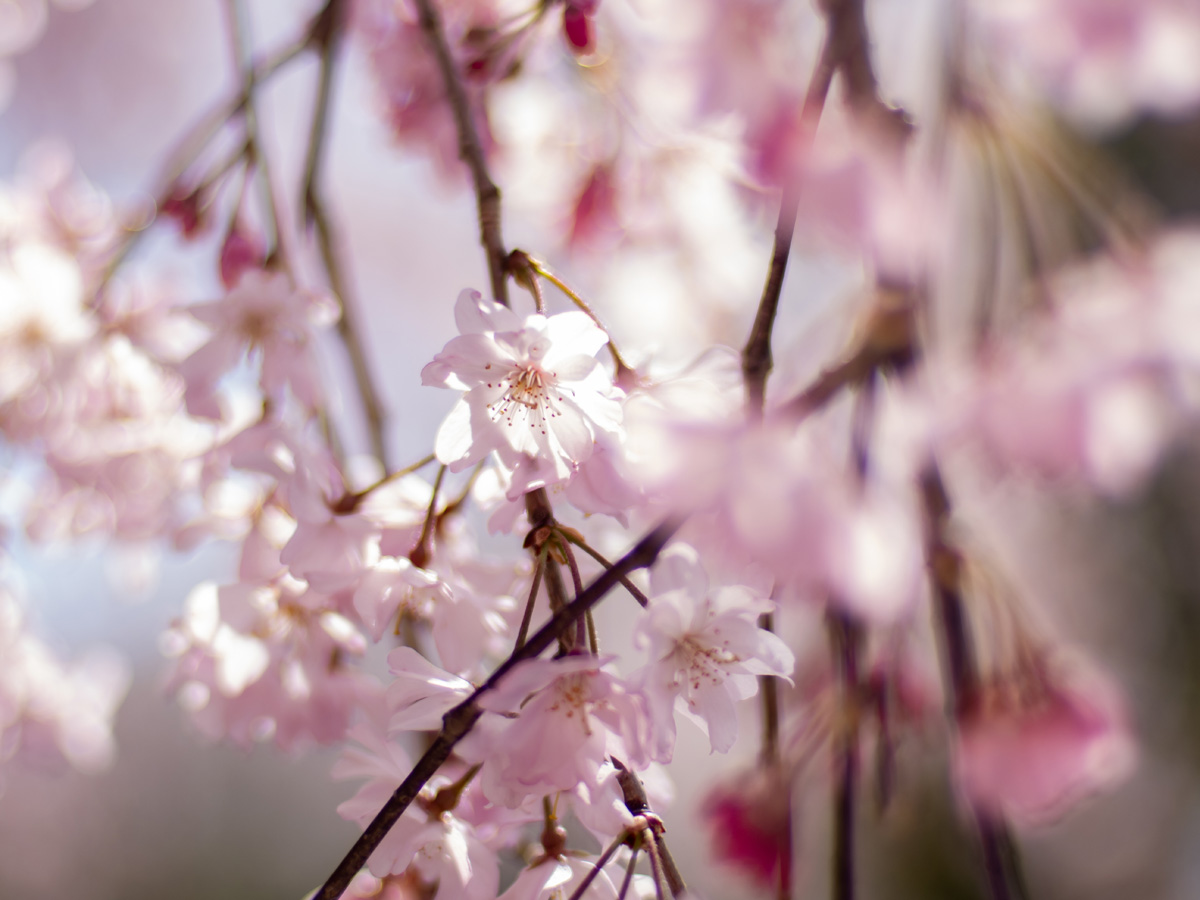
532 389
706 650
750 820
264 314
1032 753
557 877
50 710
573 716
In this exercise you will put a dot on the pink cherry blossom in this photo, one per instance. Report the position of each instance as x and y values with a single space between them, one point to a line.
706 650
267 317
750 820
1031 758
430 842
775 495
532 389
572 716
556 877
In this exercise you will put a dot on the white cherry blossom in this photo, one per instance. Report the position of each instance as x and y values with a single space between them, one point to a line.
706 650
532 389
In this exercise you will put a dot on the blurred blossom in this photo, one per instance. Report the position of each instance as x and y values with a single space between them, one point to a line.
52 711
1103 60
1033 749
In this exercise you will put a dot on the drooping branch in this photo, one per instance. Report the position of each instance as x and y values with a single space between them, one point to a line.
470 149
458 721
256 151
1001 860
326 35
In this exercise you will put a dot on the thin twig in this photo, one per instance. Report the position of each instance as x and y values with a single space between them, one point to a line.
459 720
756 355
470 149
392 476
638 804
587 548
769 693
420 554
255 147
600 864
961 673
192 144
845 637
326 34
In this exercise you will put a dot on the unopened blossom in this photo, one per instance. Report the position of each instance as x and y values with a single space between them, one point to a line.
706 650
1030 751
571 716
532 389
750 821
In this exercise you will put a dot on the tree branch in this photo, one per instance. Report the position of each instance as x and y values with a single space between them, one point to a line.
961 673
638 804
458 721
470 149
326 34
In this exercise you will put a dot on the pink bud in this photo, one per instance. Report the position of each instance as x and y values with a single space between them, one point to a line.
239 253
185 207
578 29
750 819
595 209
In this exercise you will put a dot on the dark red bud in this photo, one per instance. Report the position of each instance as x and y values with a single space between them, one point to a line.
239 253
187 208
578 29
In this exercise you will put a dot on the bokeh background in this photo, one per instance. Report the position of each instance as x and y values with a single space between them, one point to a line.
118 82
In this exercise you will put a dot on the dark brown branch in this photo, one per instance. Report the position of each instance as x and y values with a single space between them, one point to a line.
638 804
458 721
756 355
845 638
470 149
326 34
1001 860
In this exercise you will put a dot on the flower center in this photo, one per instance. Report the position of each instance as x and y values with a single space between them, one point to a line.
701 662
530 395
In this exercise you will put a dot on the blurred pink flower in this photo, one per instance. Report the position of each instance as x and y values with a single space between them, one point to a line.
706 651
1030 758
750 822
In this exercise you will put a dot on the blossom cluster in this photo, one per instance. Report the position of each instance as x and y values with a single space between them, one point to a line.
157 412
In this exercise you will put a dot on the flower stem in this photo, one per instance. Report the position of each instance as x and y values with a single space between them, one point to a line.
587 548
420 554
